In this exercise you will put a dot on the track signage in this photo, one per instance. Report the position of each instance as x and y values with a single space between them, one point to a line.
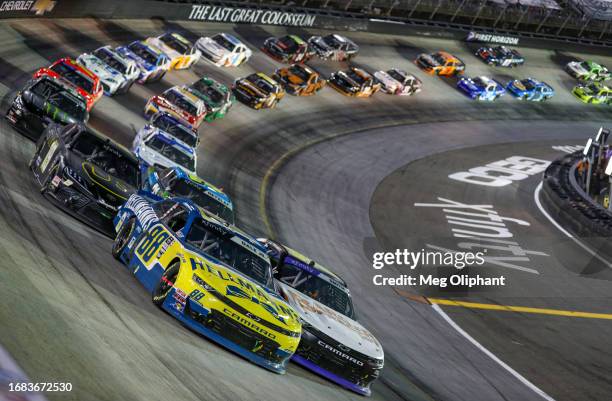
250 16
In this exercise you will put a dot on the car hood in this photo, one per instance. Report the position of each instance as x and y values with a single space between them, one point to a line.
210 45
333 324
243 294
110 189
319 42
47 109
427 59
102 70
387 79
577 67
470 85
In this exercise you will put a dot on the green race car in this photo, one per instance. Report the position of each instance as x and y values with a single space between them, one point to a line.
217 97
588 71
594 92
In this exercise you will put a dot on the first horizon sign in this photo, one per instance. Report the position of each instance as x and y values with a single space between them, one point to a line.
250 15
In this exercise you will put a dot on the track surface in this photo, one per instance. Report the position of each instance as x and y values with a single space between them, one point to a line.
63 298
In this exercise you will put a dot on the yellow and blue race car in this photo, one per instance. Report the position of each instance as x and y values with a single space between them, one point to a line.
213 278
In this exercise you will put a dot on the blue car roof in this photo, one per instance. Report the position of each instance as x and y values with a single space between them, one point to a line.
182 174
170 140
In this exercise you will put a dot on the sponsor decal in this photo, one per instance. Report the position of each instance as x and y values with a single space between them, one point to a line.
145 214
250 16
245 322
38 7
491 38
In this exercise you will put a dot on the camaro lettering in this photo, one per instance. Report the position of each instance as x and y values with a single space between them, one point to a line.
340 353
245 322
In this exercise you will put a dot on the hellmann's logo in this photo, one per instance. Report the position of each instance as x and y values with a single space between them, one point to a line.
38 7
340 353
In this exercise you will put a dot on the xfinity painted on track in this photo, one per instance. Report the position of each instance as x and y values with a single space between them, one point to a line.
116 73
333 343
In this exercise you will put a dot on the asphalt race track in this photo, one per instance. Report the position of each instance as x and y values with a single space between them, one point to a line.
334 177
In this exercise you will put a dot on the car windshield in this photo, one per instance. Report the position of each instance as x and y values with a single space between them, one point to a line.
342 81
261 83
172 152
209 91
356 77
528 84
439 58
396 75
174 43
60 98
179 131
74 76
110 60
300 72
181 102
143 53
106 156
288 44
228 248
480 82
207 201
319 287
332 41
593 88
223 42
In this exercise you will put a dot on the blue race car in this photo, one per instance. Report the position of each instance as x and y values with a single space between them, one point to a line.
481 88
530 89
173 126
175 182
151 61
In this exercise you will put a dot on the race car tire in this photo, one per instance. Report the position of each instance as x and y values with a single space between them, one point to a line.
122 238
166 282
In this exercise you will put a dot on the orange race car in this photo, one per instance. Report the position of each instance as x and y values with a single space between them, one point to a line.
299 80
440 63
354 82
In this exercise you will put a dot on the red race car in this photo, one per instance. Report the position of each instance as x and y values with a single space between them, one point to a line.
86 82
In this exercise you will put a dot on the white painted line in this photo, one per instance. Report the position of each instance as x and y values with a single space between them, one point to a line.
536 196
513 372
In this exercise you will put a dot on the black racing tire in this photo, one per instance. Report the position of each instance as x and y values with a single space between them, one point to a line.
122 238
166 283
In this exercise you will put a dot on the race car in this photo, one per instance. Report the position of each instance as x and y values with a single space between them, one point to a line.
224 50
180 51
593 92
530 89
151 61
158 149
500 56
333 47
398 82
588 71
287 49
179 102
84 173
481 88
174 127
175 182
213 278
333 344
354 82
217 97
299 80
45 100
86 82
116 73
440 63
258 91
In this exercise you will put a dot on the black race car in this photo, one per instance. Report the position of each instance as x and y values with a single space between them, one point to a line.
333 47
45 100
500 56
85 173
287 49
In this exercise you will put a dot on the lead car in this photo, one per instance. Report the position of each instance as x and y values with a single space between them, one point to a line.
333 345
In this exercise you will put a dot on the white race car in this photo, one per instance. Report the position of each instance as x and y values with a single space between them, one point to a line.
116 73
157 148
333 343
181 52
398 82
224 50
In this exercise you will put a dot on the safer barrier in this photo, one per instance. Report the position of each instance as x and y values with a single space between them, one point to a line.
572 208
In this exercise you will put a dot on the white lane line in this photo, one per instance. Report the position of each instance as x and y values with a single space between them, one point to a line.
471 339
536 196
